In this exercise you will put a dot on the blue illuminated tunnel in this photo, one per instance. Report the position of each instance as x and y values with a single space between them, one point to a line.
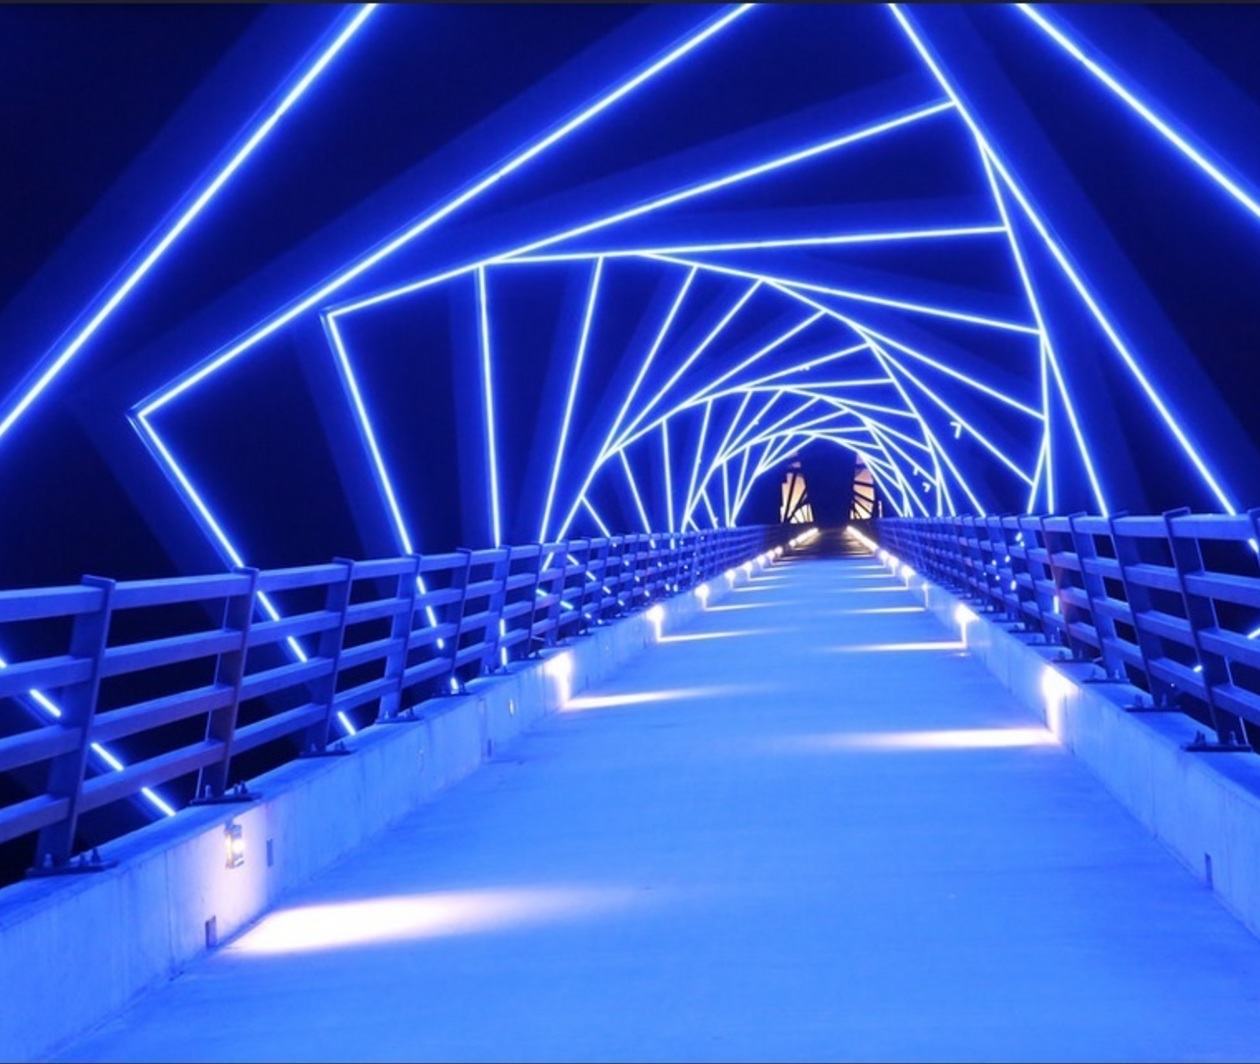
951 339
708 241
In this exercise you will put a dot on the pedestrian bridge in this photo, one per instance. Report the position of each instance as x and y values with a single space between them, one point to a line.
808 823
450 400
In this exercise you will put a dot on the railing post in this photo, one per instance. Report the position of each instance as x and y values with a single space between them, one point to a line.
643 561
390 703
580 557
1138 599
597 566
336 600
88 640
666 564
626 576
532 617
1096 591
1200 612
611 578
556 587
454 685
968 553
1027 604
499 574
654 576
1013 541
229 670
1001 563
1057 619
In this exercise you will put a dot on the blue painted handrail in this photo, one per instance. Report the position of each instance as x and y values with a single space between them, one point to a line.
251 657
1170 603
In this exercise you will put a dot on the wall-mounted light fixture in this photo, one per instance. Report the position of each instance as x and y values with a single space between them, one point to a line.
234 844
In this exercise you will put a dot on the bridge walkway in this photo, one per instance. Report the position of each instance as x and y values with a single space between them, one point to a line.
807 826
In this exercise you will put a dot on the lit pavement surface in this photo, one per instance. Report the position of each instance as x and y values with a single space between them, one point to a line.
807 826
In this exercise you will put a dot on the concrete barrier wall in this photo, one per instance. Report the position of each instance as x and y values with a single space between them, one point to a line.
1205 807
76 949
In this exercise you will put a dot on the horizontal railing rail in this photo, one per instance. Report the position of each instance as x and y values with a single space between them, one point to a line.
1169 603
189 675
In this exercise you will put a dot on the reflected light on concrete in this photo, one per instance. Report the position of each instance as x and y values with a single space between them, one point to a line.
870 610
640 698
868 590
964 616
1055 690
560 669
943 739
865 540
700 637
893 648
408 917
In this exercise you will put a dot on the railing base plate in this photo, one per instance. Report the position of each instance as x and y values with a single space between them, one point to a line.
400 718
1204 746
238 795
70 868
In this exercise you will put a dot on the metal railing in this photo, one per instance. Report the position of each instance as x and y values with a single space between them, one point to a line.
1169 603
192 674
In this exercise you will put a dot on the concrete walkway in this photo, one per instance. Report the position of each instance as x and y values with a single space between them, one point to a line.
807 827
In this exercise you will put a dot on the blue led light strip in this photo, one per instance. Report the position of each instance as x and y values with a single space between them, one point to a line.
1047 348
1065 265
189 215
687 362
860 297
107 757
727 180
1177 140
575 376
634 490
431 218
833 240
669 484
691 501
606 449
487 392
705 393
